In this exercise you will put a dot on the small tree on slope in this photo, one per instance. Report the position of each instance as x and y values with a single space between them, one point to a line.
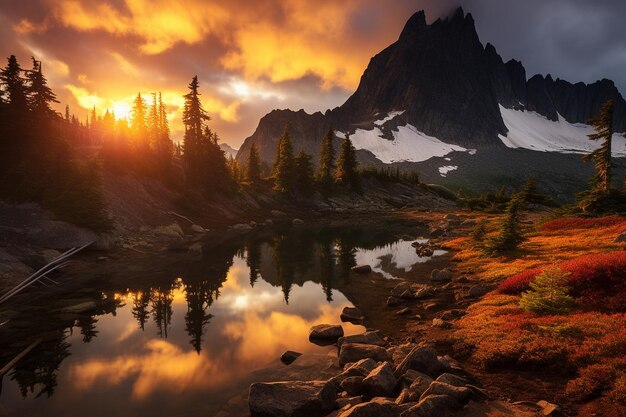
253 171
510 235
548 294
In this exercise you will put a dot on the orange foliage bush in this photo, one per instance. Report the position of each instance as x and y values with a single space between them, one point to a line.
568 223
597 280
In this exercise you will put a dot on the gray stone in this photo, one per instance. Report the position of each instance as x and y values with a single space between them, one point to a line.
399 289
353 385
289 356
351 314
412 375
423 359
460 394
352 352
377 407
432 406
361 368
478 290
380 382
291 399
452 379
367 338
361 269
440 276
196 228
173 231
326 332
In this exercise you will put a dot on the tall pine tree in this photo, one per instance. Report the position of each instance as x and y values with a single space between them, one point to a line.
253 171
138 123
347 165
304 173
327 160
601 157
284 167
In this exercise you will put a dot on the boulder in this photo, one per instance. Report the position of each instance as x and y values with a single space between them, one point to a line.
422 359
197 228
460 394
289 356
297 222
423 293
380 382
547 408
412 375
451 379
351 314
377 407
361 269
291 399
348 401
361 368
328 332
441 324
393 301
241 228
352 352
403 398
367 338
621 238
419 386
432 406
353 385
448 363
440 276
478 290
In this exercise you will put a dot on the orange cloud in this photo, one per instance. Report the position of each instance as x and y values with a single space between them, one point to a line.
25 26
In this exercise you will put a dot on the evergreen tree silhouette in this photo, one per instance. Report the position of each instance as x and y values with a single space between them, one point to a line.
284 168
253 260
347 166
140 309
304 173
327 160
253 171
601 157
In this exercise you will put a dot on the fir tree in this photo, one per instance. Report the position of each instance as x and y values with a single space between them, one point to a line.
253 171
548 294
347 165
194 118
285 165
138 118
39 95
67 113
164 144
327 160
93 118
304 173
14 87
601 157
510 235
153 122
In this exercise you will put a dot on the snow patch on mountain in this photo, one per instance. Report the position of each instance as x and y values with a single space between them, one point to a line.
390 116
443 171
408 144
530 130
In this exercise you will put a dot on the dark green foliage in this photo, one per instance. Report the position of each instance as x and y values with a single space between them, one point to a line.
492 202
601 157
304 174
479 232
253 171
548 293
389 174
347 166
284 167
39 95
531 194
510 234
327 160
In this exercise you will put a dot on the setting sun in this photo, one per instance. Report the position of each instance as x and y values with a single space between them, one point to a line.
121 110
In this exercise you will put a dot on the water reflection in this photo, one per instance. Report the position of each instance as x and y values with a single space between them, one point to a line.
197 330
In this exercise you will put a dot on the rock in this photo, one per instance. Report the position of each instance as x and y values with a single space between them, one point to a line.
330 332
289 356
621 238
441 324
377 407
367 338
277 213
401 288
547 408
478 394
460 394
352 352
361 269
440 276
351 314
297 222
393 301
80 307
348 401
291 399
451 379
380 382
462 279
411 375
353 385
361 368
241 228
423 293
478 290
419 386
433 406
197 228
196 248
448 364
451 216
469 223
173 231
365 365
403 312
422 359
403 398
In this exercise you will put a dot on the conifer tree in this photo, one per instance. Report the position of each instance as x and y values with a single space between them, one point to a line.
510 235
164 144
327 160
138 118
253 171
347 165
93 118
14 86
304 173
601 157
548 293
39 95
285 165
67 113
194 117
153 124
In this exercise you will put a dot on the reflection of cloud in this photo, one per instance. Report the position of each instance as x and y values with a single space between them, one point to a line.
131 327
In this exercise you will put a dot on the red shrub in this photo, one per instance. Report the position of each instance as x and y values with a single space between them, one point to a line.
580 223
597 280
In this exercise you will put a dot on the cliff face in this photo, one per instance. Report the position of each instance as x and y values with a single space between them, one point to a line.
448 85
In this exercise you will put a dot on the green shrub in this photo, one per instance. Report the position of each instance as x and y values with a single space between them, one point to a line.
548 294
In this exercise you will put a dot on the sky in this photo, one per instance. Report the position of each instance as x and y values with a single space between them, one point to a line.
253 56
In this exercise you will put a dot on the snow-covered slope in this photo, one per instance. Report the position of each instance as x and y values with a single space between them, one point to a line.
408 145
530 130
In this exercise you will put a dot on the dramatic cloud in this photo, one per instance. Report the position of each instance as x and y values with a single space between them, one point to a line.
254 56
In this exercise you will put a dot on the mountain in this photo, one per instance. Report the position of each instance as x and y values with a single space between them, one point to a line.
229 151
437 93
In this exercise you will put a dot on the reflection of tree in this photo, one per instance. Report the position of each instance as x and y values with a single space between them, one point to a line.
284 262
253 260
347 258
327 267
161 301
40 366
141 302
199 297
87 326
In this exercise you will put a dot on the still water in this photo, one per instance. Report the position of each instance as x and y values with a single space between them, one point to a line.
189 341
